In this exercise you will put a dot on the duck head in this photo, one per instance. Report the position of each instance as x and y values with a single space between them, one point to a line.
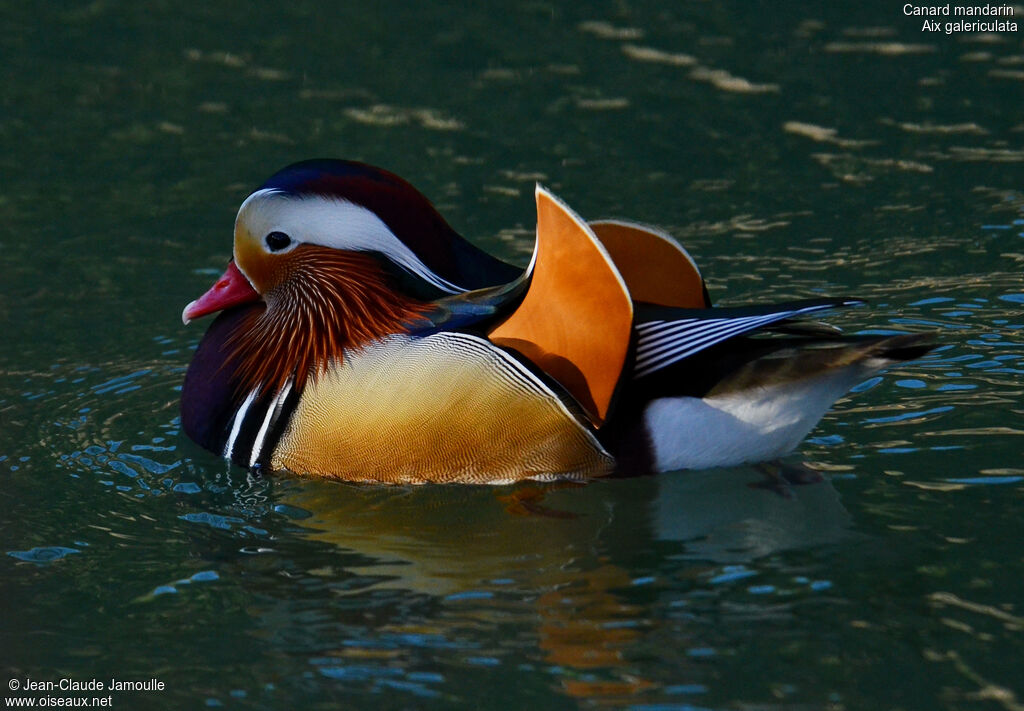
330 255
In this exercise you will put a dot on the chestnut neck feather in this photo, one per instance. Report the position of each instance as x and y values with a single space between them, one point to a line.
328 302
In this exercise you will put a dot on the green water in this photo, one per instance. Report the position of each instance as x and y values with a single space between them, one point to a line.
795 148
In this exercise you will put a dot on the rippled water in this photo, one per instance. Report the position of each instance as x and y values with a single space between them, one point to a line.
794 150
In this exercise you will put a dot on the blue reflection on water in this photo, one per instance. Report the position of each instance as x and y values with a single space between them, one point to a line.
212 520
470 595
203 576
987 480
43 555
910 415
382 678
732 573
934 300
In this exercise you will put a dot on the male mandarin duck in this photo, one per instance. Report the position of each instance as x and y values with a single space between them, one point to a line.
361 338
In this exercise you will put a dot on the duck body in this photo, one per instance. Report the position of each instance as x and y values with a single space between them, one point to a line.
362 339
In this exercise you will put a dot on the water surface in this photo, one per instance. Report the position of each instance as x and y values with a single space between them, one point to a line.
795 150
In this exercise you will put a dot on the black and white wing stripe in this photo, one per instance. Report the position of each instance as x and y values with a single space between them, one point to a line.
256 426
660 343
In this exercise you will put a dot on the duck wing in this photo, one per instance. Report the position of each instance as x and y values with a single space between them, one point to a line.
667 336
656 268
575 320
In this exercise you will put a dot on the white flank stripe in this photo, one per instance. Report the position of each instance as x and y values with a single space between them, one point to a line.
236 426
272 410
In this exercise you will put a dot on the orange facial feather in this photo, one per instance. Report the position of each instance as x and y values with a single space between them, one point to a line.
326 301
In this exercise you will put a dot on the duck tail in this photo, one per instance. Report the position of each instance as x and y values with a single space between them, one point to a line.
909 346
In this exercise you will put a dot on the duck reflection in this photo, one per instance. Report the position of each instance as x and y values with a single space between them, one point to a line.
729 516
447 540
567 561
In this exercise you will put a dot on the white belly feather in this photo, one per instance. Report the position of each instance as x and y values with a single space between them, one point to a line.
746 426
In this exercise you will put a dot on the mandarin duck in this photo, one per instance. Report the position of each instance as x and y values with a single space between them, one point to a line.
361 338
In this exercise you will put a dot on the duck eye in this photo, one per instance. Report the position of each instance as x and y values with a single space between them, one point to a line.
276 241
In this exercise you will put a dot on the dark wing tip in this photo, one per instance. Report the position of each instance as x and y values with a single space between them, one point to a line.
909 346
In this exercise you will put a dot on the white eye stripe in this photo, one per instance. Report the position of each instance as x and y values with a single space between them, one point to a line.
334 223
